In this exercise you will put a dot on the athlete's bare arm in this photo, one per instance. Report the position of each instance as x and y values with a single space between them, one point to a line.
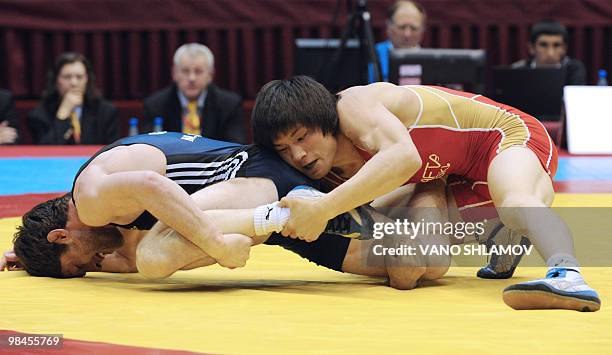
116 188
367 119
163 251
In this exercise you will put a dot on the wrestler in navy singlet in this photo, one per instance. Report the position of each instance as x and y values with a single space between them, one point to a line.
194 162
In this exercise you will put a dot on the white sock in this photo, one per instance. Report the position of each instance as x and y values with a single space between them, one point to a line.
270 218
565 261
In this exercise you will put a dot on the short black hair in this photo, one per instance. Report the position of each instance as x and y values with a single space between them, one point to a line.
283 104
548 27
39 256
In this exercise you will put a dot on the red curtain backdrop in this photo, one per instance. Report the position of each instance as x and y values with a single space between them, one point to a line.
131 42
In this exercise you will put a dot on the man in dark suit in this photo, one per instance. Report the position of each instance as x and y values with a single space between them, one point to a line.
9 122
193 104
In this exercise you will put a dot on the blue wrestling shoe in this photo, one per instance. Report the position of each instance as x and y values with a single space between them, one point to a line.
502 266
561 289
357 223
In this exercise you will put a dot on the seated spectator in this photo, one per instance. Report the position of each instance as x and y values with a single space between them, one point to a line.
548 48
193 104
72 110
405 29
9 122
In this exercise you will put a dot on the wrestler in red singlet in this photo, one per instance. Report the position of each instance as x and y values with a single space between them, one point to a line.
459 133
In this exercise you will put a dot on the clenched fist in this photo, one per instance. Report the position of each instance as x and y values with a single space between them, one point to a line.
235 250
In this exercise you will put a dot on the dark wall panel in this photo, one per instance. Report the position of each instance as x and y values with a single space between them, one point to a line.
131 43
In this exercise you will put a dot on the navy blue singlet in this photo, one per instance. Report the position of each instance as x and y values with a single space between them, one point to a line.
194 162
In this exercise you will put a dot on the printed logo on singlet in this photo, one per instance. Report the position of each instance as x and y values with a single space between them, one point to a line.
206 173
434 169
190 137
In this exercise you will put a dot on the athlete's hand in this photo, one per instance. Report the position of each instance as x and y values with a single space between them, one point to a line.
10 262
308 218
235 251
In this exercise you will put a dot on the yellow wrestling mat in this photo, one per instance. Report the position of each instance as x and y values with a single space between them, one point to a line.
280 303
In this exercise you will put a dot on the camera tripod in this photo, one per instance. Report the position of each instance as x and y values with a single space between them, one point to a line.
359 25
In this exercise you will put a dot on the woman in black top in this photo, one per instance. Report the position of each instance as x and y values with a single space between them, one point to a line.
72 111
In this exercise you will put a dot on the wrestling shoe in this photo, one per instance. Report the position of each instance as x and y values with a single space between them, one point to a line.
357 223
561 289
502 266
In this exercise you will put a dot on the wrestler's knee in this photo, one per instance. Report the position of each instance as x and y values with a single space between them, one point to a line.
516 200
406 277
435 272
430 195
437 266
151 264
514 209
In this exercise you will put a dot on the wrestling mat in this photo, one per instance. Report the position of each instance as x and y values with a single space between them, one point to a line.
280 303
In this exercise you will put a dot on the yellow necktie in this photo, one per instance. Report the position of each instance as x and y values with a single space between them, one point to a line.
191 121
76 127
